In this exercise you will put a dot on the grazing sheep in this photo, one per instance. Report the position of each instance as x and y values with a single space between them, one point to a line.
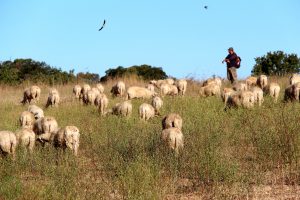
215 80
100 88
169 81
296 91
26 138
157 103
32 93
124 109
181 85
262 81
53 98
139 92
258 95
8 143
36 111
77 91
211 89
173 138
274 89
251 81
172 120
27 120
44 128
67 137
118 89
91 96
84 90
146 111
226 93
295 78
159 83
102 103
151 87
243 99
167 89
240 87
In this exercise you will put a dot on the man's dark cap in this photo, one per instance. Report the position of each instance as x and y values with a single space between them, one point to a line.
230 49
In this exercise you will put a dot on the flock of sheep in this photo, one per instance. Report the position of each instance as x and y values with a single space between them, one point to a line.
37 127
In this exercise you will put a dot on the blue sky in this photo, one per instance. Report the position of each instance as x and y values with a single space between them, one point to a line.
178 35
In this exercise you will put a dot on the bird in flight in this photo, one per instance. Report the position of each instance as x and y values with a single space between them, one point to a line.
102 25
206 7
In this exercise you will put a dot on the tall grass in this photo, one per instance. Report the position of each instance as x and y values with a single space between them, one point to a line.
225 153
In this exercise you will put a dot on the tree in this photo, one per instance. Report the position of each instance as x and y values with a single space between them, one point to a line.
276 63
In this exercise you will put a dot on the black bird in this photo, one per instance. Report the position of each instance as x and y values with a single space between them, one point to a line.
102 25
206 7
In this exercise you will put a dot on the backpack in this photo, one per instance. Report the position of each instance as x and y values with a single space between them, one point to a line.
238 62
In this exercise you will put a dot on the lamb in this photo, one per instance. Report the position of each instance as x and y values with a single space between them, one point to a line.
157 103
243 99
77 91
295 78
172 120
8 143
240 87
226 93
27 120
151 87
262 81
251 81
45 128
36 111
53 98
32 93
100 88
139 92
102 103
26 138
274 89
258 95
173 138
124 109
146 111
215 80
67 137
211 89
118 89
181 85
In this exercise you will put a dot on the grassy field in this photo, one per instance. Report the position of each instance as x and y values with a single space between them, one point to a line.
237 154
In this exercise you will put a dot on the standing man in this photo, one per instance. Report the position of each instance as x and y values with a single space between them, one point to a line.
233 62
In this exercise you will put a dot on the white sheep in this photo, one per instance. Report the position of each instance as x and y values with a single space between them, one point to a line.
251 81
295 78
258 95
36 111
262 81
139 92
226 93
27 120
32 93
167 89
102 103
146 111
215 80
173 138
241 86
53 98
84 90
118 89
26 138
100 88
274 89
211 89
8 143
157 103
243 99
151 87
181 85
124 109
67 137
91 96
172 120
45 127
77 91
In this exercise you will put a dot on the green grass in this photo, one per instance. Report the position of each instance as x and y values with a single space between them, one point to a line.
225 153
